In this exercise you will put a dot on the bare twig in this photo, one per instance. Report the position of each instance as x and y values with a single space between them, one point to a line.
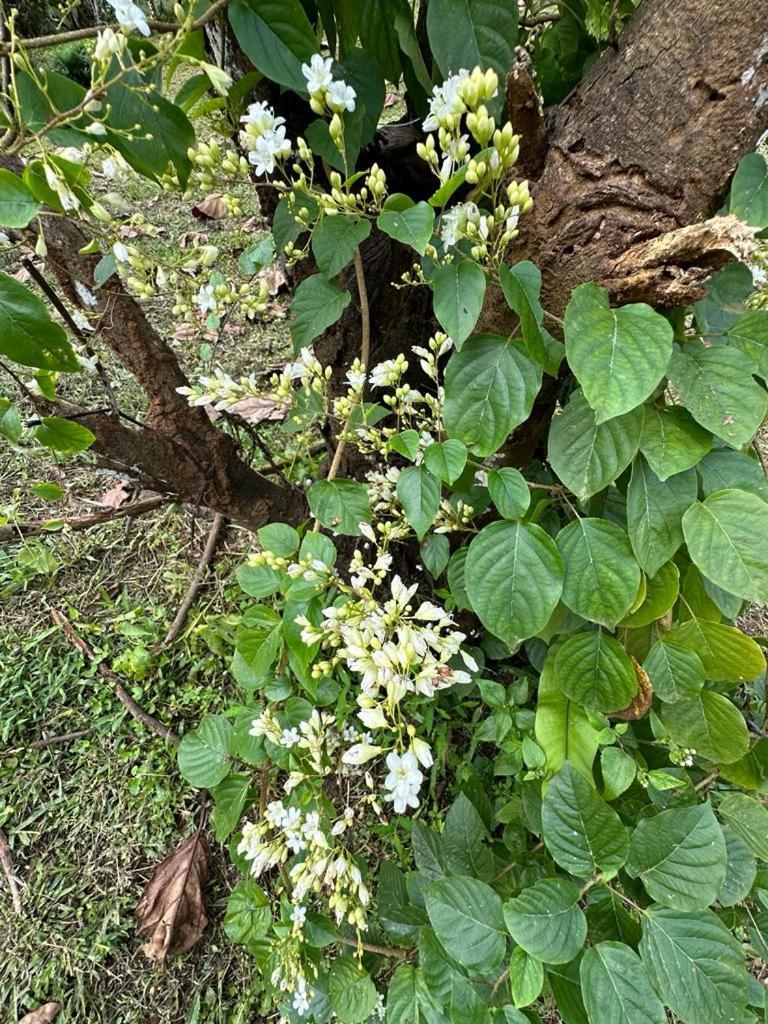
51 741
394 952
706 781
197 579
6 862
37 528
106 673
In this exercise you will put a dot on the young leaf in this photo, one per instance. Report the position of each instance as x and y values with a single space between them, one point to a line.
676 673
411 226
615 987
489 390
459 289
446 459
29 336
618 769
526 977
340 505
334 242
680 856
617 355
655 511
514 577
594 670
562 728
661 592
467 917
317 303
547 921
229 798
709 724
672 441
695 965
521 286
419 494
582 833
726 537
509 492
435 553
587 456
601 575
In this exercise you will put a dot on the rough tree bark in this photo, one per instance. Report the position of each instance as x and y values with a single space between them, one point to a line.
644 147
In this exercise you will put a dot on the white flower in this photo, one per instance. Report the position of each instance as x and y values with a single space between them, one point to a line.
108 43
373 718
298 916
341 97
360 753
403 781
422 751
289 738
96 128
262 117
301 998
4 239
513 218
355 379
318 73
446 99
205 299
268 148
120 252
129 16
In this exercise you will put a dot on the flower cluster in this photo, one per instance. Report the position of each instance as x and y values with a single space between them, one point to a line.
264 138
129 16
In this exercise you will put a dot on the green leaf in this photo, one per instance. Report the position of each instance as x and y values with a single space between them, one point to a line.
464 838
428 851
607 917
409 1000
716 386
676 673
459 288
276 36
709 724
412 226
204 752
229 800
562 728
618 770
509 492
340 505
419 494
695 965
661 592
406 443
317 304
352 993
279 538
615 987
467 917
594 670
17 204
514 577
489 390
526 977
741 870
566 987
466 1005
749 334
446 459
63 435
521 285
748 818
335 240
726 653
248 914
467 33
723 469
749 190
547 921
617 355
435 553
582 833
10 421
588 456
655 513
726 537
601 575
680 857
672 441
28 335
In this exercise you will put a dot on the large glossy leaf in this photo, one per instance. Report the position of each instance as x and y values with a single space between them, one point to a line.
582 833
514 577
672 441
446 459
351 991
562 728
276 36
661 591
617 355
748 818
526 977
749 190
723 469
680 856
547 921
418 491
464 845
335 240
727 538
655 512
587 456
717 387
467 918
695 965
28 335
17 204
467 33
728 655
459 288
594 670
317 303
615 987
675 672
489 390
741 870
601 575
709 724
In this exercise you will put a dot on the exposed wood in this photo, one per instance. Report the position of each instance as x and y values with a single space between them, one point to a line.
197 580
39 528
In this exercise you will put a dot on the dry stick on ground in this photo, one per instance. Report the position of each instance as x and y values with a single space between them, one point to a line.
106 672
6 862
197 579
135 508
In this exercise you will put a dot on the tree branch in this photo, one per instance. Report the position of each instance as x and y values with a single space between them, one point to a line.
37 528
197 579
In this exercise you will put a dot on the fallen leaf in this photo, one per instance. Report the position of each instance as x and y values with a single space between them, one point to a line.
391 99
188 238
641 702
117 495
255 224
171 911
42 1015
275 277
212 207
184 332
257 410
137 230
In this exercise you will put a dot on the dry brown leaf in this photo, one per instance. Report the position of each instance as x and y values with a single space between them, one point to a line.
641 702
391 99
187 238
171 911
42 1015
257 410
255 224
184 332
212 207
275 277
117 495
